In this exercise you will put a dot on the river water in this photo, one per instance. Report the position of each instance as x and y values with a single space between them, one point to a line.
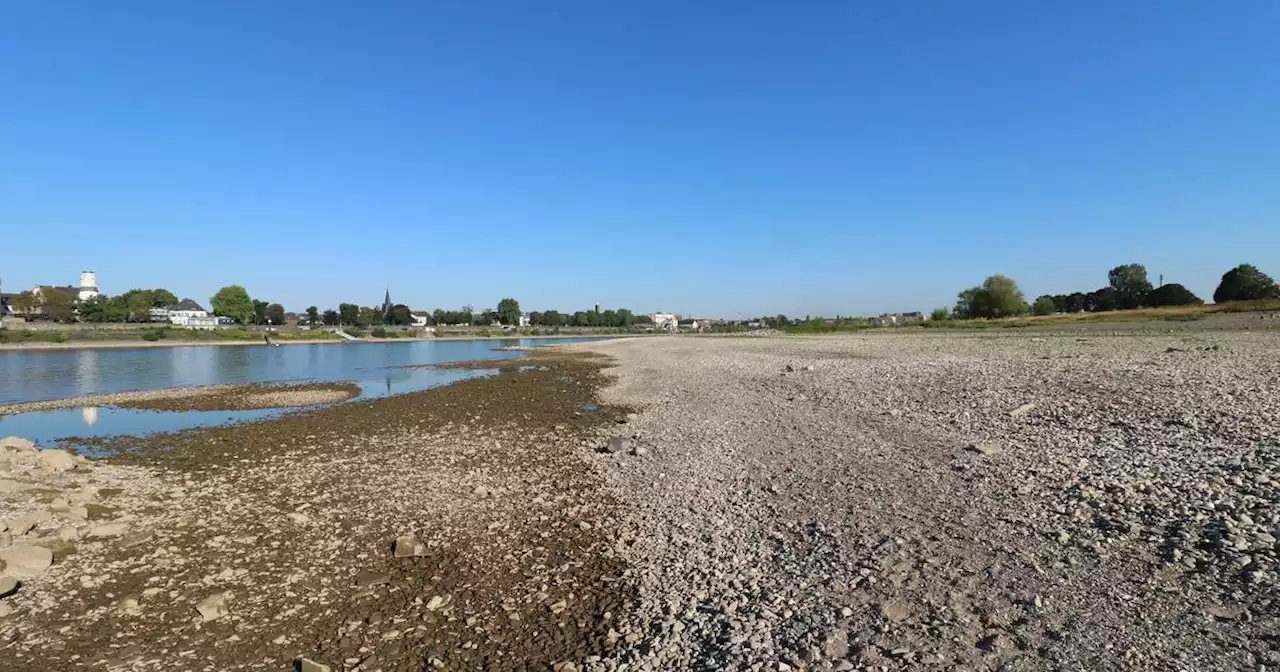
379 369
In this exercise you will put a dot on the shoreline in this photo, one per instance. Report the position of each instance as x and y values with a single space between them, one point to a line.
123 344
218 397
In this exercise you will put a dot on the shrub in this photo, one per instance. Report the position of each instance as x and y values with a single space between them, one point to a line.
153 334
1044 306
379 332
1245 283
1171 294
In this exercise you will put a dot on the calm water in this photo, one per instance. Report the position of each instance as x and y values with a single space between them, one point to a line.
377 367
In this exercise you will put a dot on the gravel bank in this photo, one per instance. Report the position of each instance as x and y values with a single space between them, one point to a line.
205 398
951 501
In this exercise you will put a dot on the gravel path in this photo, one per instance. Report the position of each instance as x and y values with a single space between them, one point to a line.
951 501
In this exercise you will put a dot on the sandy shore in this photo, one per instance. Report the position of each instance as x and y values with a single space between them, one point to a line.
929 501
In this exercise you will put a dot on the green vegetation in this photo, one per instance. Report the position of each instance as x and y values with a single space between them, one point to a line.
509 312
1044 306
313 316
1171 294
234 302
29 336
998 296
1245 283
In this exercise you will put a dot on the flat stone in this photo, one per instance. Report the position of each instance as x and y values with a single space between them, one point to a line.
1022 410
299 518
57 460
895 610
618 444
21 526
10 486
108 530
308 665
25 561
68 533
213 607
408 546
8 586
372 578
986 448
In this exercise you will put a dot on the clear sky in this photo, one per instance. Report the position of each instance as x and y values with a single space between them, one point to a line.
712 157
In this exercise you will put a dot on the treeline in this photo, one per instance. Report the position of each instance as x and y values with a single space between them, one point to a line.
1127 287
63 306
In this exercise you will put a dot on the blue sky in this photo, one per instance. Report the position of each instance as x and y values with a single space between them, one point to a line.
715 158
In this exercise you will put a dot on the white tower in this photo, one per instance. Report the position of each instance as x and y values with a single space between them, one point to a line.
88 285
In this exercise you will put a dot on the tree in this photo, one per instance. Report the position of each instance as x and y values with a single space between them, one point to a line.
369 317
138 304
1130 284
940 314
94 309
1074 303
641 319
1044 305
1171 294
623 318
163 297
399 314
313 315
260 311
53 303
1245 283
233 301
349 313
331 318
274 314
1100 300
998 296
488 317
509 312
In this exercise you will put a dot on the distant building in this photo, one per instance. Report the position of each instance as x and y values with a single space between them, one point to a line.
6 303
664 321
186 313
88 286
524 320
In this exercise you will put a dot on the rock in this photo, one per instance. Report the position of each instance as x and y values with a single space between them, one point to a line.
129 605
299 518
1225 613
21 526
17 444
986 448
1022 410
372 578
895 610
8 586
68 533
25 561
308 665
213 607
9 486
57 460
788 368
436 602
108 530
618 444
6 540
639 451
408 546
894 412
480 491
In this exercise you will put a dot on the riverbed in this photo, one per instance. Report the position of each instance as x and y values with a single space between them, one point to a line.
380 369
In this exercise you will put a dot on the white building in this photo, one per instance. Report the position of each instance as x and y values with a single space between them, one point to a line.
524 319
665 321
186 314
88 285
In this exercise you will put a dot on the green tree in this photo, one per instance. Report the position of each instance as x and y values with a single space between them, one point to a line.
623 318
233 301
313 315
1172 294
998 296
1101 300
1044 305
1130 284
1245 283
138 304
163 297
553 318
369 317
1074 303
331 318
400 315
94 309
260 311
349 313
509 312
940 314
641 319
275 314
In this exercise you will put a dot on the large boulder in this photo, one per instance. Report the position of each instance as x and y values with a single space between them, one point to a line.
17 444
408 546
25 561
57 460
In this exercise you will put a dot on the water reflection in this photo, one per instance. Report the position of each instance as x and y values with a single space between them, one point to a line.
90 415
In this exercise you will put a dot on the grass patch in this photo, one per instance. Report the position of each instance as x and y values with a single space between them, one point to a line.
29 336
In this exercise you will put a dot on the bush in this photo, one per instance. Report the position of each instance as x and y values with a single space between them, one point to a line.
379 332
1044 306
153 334
943 313
1245 283
1171 294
